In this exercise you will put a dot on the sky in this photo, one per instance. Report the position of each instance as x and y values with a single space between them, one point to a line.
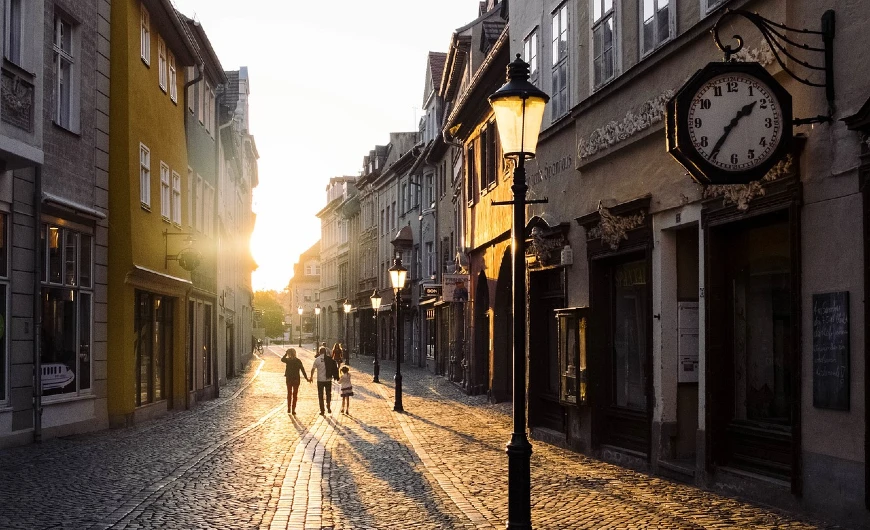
329 81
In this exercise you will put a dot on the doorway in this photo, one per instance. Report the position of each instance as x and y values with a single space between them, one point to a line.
546 295
752 360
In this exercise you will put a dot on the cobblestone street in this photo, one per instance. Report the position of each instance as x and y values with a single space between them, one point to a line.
242 462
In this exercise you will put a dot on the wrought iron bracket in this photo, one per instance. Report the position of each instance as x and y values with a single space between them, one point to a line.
510 203
774 34
189 258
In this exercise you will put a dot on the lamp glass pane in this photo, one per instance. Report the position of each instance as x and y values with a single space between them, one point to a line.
515 136
397 277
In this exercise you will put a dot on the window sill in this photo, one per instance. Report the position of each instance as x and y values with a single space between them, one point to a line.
146 207
66 129
146 62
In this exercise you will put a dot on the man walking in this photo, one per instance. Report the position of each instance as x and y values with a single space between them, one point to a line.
327 370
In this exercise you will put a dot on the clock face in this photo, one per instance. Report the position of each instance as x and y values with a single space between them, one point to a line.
735 122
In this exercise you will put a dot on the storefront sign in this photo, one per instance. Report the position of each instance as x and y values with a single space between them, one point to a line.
831 350
455 287
430 290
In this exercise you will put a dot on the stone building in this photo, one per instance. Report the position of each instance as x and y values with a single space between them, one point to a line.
304 290
685 323
53 219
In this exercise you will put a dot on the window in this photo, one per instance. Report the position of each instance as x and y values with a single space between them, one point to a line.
190 197
603 38
4 310
64 81
165 197
469 165
530 55
208 119
488 149
176 198
153 342
656 24
404 197
559 99
12 30
429 190
67 310
707 6
161 63
145 35
173 78
208 209
201 101
198 201
144 176
191 91
430 259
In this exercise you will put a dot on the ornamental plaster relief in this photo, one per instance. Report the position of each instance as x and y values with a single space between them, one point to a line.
650 112
742 194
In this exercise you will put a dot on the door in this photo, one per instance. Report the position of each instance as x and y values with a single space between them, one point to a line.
622 351
752 364
546 295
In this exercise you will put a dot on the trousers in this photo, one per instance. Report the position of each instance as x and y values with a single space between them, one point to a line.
324 387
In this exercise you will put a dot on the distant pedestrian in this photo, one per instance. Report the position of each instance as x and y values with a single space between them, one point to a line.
326 372
346 389
291 374
337 354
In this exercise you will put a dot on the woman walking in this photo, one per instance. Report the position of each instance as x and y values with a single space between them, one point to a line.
337 354
291 374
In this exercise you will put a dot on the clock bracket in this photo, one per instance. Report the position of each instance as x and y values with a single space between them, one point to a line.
775 35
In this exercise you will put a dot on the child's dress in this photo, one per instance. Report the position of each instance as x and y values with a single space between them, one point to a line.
346 386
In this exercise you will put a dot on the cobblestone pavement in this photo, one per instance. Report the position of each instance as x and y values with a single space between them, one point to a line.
242 462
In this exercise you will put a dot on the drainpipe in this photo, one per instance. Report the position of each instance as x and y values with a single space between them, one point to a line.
218 287
37 307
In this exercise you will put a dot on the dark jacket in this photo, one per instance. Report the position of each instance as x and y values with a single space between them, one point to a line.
294 366
331 368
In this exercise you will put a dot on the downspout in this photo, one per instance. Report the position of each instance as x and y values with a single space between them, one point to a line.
37 309
220 306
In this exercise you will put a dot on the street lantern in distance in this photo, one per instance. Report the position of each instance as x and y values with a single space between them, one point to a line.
519 110
376 305
316 329
347 308
299 310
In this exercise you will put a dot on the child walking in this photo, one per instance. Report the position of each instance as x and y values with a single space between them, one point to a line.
346 389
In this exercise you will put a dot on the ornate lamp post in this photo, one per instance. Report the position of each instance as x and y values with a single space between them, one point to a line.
376 304
316 328
398 275
347 308
299 310
519 109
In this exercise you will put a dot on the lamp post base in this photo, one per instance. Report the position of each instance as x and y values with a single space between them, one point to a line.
376 370
519 452
397 406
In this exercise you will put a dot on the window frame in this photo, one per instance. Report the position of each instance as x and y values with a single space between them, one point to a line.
165 195
144 34
559 61
144 176
657 42
13 32
161 64
611 14
67 117
173 77
531 54
175 208
709 6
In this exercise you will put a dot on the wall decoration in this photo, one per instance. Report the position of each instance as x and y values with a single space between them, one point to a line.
742 194
613 229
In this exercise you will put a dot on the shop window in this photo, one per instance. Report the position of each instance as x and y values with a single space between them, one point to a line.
66 311
153 346
572 355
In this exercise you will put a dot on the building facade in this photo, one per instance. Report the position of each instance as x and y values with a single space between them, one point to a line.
149 292
699 307
53 206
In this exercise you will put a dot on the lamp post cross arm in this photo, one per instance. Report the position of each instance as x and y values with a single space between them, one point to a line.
527 201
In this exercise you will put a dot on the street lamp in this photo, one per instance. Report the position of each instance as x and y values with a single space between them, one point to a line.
299 310
347 308
317 310
519 109
398 275
376 304
283 330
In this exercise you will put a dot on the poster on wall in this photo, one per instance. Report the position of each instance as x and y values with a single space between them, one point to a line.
454 287
831 350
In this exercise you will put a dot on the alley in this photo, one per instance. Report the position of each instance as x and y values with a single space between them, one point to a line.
241 462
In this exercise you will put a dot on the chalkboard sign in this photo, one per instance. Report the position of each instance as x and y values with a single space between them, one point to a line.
831 350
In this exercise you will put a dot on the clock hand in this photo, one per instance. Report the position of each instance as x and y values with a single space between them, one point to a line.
746 110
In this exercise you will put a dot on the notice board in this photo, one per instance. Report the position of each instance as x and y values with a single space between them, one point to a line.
831 350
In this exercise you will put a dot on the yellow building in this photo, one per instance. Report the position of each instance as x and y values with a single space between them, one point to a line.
148 190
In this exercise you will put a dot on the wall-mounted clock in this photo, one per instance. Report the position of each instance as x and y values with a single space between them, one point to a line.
730 123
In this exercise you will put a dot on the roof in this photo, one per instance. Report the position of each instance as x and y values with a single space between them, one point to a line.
492 29
436 64
206 52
